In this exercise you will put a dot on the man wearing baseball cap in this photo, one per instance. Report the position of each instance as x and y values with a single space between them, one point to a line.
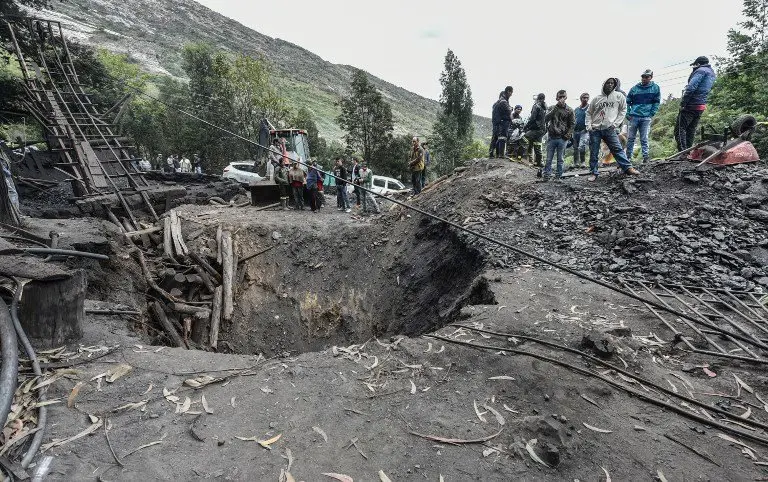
643 102
694 102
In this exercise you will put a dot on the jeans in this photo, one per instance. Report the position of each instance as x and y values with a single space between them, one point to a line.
642 124
298 196
580 141
555 145
341 196
685 128
416 181
611 138
423 177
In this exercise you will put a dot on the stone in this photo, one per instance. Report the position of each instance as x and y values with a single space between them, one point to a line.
758 214
601 343
276 235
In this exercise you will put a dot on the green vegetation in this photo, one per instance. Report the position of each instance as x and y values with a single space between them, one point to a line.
453 131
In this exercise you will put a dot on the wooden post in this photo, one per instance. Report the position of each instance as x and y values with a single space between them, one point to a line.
9 212
207 267
167 246
160 316
216 316
227 275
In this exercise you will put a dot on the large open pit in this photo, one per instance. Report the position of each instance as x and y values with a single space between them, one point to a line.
334 280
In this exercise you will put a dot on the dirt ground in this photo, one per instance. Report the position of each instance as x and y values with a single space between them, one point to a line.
346 394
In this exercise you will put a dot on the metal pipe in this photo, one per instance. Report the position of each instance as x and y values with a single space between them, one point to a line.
730 322
42 417
9 371
65 252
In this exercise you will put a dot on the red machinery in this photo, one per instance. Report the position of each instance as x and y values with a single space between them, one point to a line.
732 146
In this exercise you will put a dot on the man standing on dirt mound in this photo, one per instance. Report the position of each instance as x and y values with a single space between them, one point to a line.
605 115
643 102
535 129
501 116
694 102
560 121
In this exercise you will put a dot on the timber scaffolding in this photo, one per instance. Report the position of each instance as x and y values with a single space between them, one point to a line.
92 156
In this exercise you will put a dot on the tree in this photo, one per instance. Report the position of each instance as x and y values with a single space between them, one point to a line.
453 130
366 118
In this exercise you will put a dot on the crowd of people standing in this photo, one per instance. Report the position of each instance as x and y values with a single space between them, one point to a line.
596 122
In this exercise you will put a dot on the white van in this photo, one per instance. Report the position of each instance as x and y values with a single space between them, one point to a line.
386 185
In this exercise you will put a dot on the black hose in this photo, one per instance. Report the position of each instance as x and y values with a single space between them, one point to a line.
9 371
65 252
42 416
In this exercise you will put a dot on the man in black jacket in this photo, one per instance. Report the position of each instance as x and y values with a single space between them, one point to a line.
535 129
340 172
501 116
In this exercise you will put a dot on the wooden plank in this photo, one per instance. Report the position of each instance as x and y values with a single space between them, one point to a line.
228 273
216 316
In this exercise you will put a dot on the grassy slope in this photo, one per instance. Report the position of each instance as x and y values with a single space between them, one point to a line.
153 31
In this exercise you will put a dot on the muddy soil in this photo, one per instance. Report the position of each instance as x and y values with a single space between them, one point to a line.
353 397
336 279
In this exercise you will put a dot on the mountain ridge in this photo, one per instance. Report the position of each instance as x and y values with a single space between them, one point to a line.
152 32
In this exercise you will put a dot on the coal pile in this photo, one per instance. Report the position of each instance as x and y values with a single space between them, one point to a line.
676 224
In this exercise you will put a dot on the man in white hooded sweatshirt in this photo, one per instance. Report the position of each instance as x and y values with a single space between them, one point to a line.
605 115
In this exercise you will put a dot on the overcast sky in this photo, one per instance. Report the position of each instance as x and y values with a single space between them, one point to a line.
534 46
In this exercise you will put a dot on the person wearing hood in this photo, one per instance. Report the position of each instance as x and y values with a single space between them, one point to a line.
642 102
560 121
605 115
535 129
501 116
693 102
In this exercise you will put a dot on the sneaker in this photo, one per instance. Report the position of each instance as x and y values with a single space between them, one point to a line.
538 173
339 209
347 210
632 172
592 178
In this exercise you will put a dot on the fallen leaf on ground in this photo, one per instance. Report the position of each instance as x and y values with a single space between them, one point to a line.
118 372
413 388
589 400
661 476
321 432
204 402
289 477
149 389
501 377
746 414
341 477
266 443
477 411
142 447
509 409
289 456
266 390
595 429
529 448
383 477
95 425
607 475
73 394
742 384
184 407
232 402
496 414
456 441
709 372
